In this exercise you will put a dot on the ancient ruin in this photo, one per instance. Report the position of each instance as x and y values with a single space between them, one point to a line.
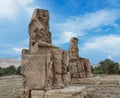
45 66
79 67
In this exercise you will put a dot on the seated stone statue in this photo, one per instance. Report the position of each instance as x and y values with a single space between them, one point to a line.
43 65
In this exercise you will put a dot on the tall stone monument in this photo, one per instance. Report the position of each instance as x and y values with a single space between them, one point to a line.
44 66
79 67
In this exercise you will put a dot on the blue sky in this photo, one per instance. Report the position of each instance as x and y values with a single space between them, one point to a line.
96 23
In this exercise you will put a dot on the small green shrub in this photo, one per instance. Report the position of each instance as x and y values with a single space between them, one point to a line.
90 96
10 70
18 97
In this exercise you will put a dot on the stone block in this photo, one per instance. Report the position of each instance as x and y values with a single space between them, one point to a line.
24 93
33 68
68 92
37 94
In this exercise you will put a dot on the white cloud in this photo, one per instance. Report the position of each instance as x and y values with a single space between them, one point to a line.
82 23
17 50
24 2
10 9
107 44
65 37
7 9
21 45
11 51
110 57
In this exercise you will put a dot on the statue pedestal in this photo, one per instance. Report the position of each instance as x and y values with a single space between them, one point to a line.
68 92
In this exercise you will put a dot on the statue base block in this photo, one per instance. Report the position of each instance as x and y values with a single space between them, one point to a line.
68 92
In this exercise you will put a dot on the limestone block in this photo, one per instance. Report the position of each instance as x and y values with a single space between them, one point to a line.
25 93
33 68
73 66
73 50
57 55
68 92
67 78
37 94
79 67
87 66
49 71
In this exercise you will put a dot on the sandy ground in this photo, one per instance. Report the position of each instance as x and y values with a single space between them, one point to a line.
9 86
104 91
108 88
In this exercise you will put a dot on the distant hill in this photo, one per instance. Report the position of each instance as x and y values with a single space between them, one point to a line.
5 62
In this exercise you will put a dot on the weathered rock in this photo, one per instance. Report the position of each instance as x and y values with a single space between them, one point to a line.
25 93
73 50
34 73
68 92
44 70
43 65
87 67
79 67
39 29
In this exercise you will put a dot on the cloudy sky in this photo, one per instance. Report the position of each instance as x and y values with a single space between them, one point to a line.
96 23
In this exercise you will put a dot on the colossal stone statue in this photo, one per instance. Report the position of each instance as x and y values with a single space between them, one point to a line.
43 65
73 51
79 67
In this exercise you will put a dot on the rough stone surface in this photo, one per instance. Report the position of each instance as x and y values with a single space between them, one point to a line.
39 29
44 70
44 66
79 67
24 93
73 50
68 92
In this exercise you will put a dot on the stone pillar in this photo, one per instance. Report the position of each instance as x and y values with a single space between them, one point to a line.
79 67
73 50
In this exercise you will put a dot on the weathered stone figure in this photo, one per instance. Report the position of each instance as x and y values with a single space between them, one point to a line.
73 51
43 65
39 29
79 67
